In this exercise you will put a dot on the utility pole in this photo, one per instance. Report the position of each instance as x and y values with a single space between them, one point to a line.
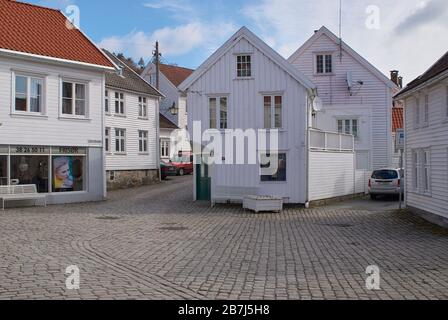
157 63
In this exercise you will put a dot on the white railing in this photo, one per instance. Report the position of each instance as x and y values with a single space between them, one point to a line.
331 141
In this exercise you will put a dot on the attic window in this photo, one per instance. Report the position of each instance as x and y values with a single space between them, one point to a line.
324 63
244 66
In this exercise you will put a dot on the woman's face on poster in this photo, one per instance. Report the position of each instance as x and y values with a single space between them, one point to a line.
63 172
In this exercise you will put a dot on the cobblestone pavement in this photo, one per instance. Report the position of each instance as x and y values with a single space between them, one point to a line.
155 243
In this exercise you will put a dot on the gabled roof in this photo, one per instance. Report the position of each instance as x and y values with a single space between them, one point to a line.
129 79
397 118
175 74
165 123
260 45
346 48
436 69
42 32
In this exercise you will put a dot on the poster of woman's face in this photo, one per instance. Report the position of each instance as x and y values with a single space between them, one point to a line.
63 173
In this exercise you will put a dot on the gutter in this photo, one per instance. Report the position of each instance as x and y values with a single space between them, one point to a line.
401 96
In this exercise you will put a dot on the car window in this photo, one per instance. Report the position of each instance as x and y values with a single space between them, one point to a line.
385 175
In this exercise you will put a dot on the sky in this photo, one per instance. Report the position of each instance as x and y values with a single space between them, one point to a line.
404 35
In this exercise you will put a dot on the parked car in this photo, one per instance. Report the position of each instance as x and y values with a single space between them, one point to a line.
167 170
183 163
386 182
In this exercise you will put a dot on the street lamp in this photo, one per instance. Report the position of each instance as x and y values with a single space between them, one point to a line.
174 110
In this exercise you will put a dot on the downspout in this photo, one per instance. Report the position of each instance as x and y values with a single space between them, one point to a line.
157 115
310 93
103 135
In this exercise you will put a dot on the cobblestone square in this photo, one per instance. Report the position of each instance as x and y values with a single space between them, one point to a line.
156 243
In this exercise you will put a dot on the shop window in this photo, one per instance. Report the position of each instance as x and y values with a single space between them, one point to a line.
3 170
68 173
267 167
30 170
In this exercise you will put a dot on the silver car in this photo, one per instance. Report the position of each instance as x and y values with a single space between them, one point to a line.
386 182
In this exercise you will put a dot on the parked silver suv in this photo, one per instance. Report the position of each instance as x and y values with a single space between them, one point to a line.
386 182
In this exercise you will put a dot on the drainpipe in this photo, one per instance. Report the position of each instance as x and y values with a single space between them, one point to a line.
307 147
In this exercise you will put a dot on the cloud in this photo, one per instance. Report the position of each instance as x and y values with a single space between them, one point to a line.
179 9
174 41
428 13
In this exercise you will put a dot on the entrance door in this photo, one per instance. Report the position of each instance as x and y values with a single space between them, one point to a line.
203 182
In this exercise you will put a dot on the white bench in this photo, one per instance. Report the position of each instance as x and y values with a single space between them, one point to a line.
20 192
263 204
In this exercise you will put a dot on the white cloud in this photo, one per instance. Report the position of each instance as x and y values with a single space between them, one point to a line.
286 24
174 41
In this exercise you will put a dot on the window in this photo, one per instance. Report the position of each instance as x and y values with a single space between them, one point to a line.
218 113
119 103
107 140
106 102
324 63
143 141
30 170
73 99
68 173
279 171
28 94
142 107
416 169
426 171
349 126
426 111
243 66
273 112
165 148
120 140
417 114
3 170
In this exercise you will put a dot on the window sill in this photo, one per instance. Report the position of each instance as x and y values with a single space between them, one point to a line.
68 118
324 74
274 182
120 154
244 78
143 118
29 115
119 115
143 153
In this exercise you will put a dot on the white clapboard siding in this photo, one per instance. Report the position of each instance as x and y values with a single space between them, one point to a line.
434 137
372 100
132 159
245 110
50 129
331 175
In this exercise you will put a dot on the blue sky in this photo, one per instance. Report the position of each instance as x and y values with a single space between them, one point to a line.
190 30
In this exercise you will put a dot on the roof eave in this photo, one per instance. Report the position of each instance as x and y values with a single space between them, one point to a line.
408 92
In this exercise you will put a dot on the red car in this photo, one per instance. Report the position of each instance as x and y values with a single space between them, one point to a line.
183 163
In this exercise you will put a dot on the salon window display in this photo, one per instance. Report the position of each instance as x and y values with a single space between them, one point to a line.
30 170
3 170
68 174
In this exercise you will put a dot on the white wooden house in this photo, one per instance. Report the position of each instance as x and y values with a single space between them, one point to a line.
131 128
247 85
357 97
52 81
426 125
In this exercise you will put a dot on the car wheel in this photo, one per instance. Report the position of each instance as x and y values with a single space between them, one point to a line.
181 172
373 196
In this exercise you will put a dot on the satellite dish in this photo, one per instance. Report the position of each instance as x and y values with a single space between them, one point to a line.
318 105
349 80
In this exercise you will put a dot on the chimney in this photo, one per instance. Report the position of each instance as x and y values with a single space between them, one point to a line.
394 77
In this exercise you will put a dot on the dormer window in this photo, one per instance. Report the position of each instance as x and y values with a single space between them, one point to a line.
324 63
244 66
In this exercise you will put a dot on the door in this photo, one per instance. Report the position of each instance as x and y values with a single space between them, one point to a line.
203 182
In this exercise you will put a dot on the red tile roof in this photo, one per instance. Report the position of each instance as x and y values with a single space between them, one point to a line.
42 31
397 119
175 74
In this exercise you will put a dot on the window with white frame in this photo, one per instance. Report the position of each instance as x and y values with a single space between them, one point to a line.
324 63
119 103
244 66
106 102
28 94
426 170
143 141
273 106
165 148
74 99
120 140
416 169
426 111
349 126
417 113
142 107
218 113
107 139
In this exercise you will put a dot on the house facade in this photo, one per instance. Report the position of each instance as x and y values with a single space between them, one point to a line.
52 80
357 98
246 85
426 127
131 128
167 128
